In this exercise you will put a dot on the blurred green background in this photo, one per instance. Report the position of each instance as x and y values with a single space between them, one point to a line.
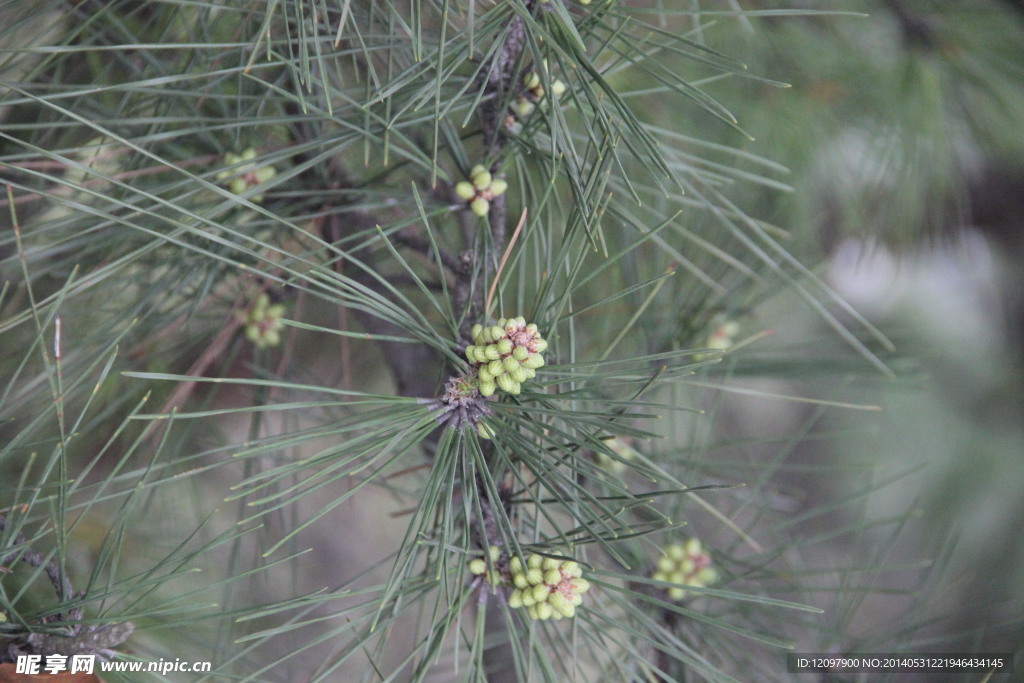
902 133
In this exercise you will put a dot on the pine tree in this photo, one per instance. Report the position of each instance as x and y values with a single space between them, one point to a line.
390 341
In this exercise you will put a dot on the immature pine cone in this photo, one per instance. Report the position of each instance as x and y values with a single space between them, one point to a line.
685 563
546 587
480 189
506 354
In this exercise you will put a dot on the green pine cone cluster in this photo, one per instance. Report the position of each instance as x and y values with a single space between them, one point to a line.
723 334
546 587
536 90
506 354
525 104
721 338
262 322
621 448
480 190
685 563
243 177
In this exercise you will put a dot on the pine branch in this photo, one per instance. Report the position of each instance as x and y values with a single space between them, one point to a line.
70 636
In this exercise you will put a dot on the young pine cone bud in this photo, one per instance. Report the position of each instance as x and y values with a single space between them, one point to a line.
262 322
506 354
480 190
245 176
546 587
685 563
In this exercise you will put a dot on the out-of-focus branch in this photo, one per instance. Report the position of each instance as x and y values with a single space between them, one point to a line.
417 368
76 638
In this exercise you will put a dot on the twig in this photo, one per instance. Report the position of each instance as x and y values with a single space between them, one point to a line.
422 245
71 639
31 196
214 349
501 78
410 364
61 586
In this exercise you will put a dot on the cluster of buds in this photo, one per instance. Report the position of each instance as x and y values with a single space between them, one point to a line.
244 177
685 563
506 354
721 338
622 449
262 322
723 334
525 104
480 189
546 587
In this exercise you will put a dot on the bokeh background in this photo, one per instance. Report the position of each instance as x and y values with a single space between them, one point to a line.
901 133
